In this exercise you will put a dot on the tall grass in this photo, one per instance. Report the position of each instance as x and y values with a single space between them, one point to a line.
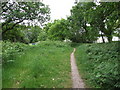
45 65
0 64
10 49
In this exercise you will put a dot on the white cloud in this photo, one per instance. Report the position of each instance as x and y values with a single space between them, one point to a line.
59 8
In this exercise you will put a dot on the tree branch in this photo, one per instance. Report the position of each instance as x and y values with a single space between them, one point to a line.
12 27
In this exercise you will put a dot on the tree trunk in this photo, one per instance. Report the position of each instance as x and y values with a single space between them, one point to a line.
102 38
109 38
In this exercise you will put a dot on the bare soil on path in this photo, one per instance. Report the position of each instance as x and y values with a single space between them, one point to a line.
76 78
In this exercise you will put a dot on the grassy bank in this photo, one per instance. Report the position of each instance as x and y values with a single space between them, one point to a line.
0 64
45 65
99 64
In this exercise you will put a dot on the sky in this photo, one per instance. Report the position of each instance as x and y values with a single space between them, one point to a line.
59 8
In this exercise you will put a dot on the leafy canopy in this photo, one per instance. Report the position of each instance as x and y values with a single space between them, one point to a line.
18 12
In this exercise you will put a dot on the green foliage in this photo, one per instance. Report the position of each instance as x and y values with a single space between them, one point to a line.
100 18
32 33
57 30
17 12
22 33
100 64
16 35
42 36
42 66
105 18
9 51
105 63
79 31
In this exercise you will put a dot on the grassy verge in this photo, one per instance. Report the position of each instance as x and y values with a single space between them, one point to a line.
99 64
81 57
45 65
0 65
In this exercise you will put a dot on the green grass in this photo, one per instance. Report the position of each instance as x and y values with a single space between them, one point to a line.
81 57
98 64
46 65
0 64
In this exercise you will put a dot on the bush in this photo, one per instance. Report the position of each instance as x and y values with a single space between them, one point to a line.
9 50
42 36
104 61
99 64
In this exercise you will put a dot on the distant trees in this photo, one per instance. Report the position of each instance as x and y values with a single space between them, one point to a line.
58 30
87 22
32 33
22 33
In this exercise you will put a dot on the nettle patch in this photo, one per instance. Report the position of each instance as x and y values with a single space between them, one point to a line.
9 50
104 61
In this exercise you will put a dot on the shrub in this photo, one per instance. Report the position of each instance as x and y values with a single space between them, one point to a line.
104 61
9 50
99 64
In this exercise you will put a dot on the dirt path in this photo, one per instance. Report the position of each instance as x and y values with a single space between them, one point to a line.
76 78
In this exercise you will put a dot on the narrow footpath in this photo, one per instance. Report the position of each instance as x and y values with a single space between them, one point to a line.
76 78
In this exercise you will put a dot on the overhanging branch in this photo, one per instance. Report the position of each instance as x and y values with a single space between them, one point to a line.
12 27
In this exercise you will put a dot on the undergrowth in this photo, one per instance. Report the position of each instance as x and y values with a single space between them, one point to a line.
99 64
10 50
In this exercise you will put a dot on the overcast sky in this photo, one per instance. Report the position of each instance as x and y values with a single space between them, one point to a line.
59 8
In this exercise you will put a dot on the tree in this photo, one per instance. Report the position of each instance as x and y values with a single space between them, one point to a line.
42 36
16 35
32 33
79 29
18 12
22 33
89 21
105 18
57 30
